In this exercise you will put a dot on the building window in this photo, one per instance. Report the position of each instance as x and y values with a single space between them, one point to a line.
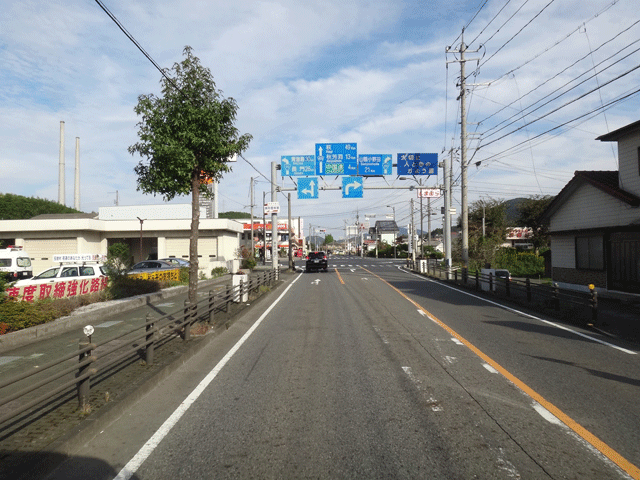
589 253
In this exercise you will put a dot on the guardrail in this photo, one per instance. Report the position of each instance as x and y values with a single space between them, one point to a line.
60 377
573 304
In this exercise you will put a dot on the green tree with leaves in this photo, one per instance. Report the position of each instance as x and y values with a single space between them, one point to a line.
529 212
186 138
328 239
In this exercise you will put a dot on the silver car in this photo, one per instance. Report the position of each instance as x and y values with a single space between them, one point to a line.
150 266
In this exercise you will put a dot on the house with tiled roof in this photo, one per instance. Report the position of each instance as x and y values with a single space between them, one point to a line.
594 222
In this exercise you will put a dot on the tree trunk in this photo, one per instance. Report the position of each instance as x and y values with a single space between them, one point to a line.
193 240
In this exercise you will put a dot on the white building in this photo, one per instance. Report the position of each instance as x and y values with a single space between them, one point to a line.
150 231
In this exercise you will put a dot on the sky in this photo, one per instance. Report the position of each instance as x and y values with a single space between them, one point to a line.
543 79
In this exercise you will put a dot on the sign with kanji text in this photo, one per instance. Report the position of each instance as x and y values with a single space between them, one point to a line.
297 165
336 158
375 164
417 164
271 207
428 193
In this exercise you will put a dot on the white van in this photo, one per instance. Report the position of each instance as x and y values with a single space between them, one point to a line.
15 263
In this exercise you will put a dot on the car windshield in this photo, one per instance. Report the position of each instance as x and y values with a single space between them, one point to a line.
24 262
51 273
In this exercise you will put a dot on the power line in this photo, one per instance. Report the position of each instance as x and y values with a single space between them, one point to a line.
135 42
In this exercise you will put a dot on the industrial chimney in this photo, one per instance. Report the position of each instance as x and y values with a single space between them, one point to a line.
76 196
61 167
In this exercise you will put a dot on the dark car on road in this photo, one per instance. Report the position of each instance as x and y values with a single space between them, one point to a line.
316 261
150 266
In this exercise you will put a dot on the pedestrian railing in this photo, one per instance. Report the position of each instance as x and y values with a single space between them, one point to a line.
32 392
577 306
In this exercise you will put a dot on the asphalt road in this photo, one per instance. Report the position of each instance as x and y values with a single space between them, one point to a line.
368 371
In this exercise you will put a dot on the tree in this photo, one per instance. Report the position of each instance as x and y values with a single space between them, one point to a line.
187 136
328 239
529 212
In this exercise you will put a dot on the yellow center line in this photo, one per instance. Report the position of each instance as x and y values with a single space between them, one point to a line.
602 447
339 276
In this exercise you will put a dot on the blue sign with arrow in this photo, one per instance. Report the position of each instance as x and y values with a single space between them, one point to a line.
417 164
375 164
308 188
298 165
336 158
352 187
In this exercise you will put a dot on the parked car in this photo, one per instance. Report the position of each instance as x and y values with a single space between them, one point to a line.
66 272
15 263
316 261
150 266
176 261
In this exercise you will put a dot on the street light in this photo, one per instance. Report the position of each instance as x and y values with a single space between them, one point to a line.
394 233
141 222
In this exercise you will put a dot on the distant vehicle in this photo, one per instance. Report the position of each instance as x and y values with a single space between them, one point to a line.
316 261
15 263
176 261
150 266
501 273
298 253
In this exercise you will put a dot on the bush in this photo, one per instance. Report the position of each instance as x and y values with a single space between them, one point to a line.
218 272
123 287
248 263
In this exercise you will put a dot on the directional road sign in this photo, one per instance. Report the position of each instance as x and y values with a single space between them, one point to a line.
351 187
375 164
307 188
336 158
298 165
417 164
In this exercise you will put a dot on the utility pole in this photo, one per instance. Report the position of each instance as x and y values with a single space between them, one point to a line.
253 251
291 266
447 213
274 218
264 230
463 147
413 235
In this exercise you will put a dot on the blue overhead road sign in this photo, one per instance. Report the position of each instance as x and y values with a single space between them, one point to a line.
417 164
336 158
352 187
298 165
375 164
307 188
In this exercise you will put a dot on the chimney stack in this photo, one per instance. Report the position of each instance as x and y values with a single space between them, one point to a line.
61 167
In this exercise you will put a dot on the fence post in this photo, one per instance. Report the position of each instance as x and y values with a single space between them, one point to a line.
241 297
148 354
84 385
529 290
490 282
556 297
227 298
455 276
212 305
477 278
507 286
187 321
594 304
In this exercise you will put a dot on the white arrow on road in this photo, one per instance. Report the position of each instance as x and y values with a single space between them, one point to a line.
316 281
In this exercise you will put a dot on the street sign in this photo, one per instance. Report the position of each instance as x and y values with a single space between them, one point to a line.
307 188
336 158
271 207
298 165
429 193
352 187
417 164
375 164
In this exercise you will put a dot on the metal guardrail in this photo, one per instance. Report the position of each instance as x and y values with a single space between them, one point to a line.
548 298
49 381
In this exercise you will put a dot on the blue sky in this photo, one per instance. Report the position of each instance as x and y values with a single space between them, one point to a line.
369 72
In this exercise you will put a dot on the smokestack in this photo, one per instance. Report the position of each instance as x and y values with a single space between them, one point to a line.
76 196
61 167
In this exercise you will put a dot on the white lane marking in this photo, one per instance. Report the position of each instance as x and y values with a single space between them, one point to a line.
109 324
490 368
450 360
431 402
553 324
456 341
422 313
147 449
4 360
547 415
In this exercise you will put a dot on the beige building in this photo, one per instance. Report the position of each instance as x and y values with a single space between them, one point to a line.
150 231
